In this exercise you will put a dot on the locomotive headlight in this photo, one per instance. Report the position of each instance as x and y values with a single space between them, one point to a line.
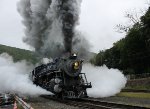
76 65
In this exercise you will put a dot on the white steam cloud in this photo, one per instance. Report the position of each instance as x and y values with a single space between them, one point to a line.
14 77
105 82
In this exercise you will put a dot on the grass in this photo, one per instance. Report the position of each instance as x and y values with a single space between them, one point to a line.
134 95
144 87
138 88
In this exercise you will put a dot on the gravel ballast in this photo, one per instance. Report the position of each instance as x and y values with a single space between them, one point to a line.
42 103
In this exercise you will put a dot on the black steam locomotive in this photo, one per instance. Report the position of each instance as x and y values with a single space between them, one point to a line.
62 77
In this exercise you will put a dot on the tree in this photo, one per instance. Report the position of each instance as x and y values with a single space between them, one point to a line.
132 53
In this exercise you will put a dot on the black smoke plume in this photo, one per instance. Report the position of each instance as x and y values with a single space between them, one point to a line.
66 11
50 26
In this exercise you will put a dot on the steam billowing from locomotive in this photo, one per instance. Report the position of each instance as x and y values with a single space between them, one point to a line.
14 77
105 82
50 26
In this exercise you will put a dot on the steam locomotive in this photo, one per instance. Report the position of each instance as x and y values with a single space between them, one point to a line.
62 77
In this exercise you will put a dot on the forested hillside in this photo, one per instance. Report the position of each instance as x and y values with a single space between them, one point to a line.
132 53
19 54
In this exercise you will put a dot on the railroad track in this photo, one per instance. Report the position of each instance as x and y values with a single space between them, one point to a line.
94 104
97 104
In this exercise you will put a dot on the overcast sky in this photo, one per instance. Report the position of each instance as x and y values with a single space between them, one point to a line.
97 21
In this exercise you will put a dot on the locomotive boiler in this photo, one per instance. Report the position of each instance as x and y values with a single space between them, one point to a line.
62 77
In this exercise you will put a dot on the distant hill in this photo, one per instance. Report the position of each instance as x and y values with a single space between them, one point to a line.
19 54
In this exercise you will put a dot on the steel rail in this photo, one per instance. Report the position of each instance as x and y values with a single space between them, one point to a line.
94 104
111 105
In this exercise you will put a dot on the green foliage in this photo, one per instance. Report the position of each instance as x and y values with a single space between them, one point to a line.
19 54
132 53
98 59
